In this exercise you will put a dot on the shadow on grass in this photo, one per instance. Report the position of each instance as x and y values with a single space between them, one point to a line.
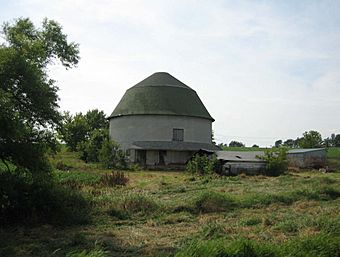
52 241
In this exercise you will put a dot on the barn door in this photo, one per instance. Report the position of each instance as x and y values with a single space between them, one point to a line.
141 157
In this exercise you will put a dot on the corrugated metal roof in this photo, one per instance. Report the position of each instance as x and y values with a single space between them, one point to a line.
306 150
241 156
173 145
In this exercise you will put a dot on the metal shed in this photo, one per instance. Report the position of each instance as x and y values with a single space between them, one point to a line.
307 158
236 162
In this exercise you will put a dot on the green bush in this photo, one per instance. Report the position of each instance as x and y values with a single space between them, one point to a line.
214 202
111 156
90 148
276 161
24 200
202 165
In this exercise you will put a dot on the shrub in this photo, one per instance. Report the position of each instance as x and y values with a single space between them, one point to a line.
214 202
117 178
23 200
90 148
111 156
276 161
202 165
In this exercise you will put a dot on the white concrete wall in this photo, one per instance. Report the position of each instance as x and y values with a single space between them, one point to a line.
127 129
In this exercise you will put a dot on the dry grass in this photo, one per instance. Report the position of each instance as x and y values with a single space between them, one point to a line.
172 218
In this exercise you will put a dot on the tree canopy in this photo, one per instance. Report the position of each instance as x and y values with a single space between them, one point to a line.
311 139
28 97
78 129
236 144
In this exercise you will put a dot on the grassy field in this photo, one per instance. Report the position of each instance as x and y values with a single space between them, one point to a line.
178 214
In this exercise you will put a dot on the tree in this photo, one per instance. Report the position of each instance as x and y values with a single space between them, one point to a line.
28 97
236 144
90 148
255 146
289 143
337 140
96 119
311 139
278 143
76 130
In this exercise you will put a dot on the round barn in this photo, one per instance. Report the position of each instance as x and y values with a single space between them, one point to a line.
161 122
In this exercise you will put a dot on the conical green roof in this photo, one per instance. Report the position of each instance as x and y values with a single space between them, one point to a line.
161 94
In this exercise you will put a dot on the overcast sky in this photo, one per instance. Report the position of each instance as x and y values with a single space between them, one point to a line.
265 70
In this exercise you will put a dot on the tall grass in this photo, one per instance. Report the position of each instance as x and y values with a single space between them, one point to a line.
322 245
134 204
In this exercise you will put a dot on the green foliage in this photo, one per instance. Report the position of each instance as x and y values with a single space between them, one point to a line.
76 179
311 139
28 98
74 130
202 165
96 119
214 202
78 129
117 178
90 148
111 156
289 143
236 144
89 135
24 200
278 143
276 161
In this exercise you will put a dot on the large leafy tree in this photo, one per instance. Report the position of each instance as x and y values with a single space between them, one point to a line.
78 129
28 97
311 139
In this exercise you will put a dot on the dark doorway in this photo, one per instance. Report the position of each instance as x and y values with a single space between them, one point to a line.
141 157
161 158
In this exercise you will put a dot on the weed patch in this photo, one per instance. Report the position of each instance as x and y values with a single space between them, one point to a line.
115 178
211 201
134 204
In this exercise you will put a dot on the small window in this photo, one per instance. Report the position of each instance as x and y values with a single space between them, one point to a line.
178 134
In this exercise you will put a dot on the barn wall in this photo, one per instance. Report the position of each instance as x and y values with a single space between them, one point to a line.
127 129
